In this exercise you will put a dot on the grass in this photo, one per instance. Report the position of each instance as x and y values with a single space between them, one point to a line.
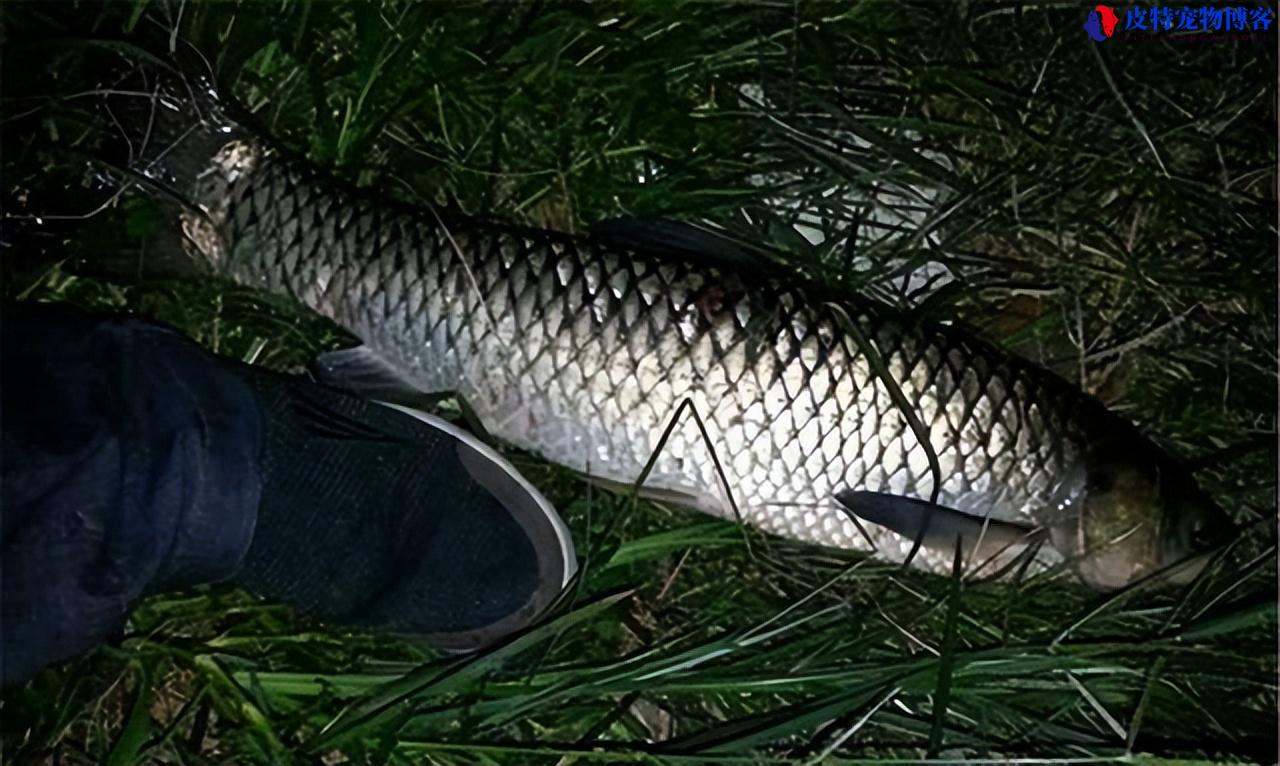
1110 210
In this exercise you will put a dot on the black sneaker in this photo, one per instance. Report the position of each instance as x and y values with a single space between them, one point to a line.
380 516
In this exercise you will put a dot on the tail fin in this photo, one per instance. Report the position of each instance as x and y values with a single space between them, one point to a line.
168 117
102 160
179 141
164 126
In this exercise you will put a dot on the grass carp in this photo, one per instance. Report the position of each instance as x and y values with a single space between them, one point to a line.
817 404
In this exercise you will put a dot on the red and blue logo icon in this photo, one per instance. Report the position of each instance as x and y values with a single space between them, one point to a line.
1204 21
1101 23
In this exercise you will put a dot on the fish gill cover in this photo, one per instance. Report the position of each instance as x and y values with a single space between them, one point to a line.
1106 212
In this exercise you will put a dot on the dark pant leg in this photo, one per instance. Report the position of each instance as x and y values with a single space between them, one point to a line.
128 462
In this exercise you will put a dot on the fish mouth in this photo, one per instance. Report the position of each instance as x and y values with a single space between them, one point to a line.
1097 574
1186 571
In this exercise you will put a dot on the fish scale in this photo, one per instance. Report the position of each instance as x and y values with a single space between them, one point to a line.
582 353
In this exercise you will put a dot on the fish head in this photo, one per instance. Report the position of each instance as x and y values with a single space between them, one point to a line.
1131 513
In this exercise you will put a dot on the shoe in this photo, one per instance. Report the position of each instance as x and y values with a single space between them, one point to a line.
383 517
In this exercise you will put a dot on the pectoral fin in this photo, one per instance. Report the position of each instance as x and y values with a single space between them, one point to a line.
362 371
938 527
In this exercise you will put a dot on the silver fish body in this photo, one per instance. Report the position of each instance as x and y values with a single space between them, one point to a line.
582 352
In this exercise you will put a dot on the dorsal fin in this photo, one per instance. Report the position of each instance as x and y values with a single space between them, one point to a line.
909 285
677 238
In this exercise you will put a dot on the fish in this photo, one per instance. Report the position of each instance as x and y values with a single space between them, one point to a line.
812 412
